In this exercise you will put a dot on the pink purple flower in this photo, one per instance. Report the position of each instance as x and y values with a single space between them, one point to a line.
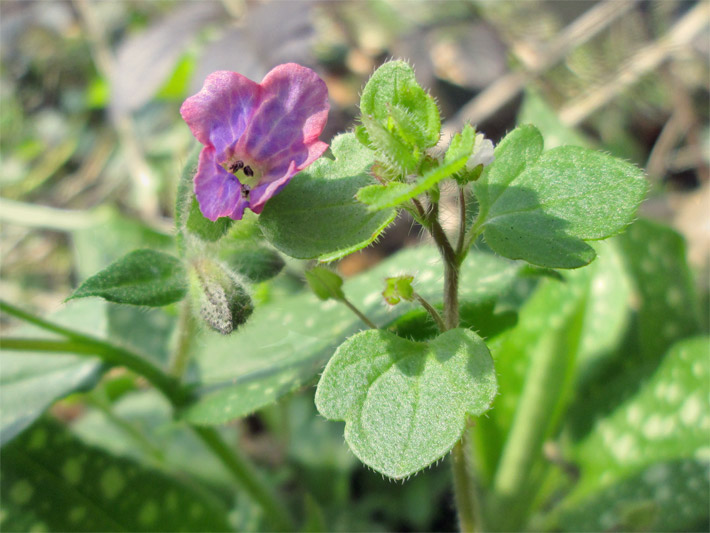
256 136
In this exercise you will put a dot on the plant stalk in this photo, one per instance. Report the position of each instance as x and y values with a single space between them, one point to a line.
359 313
430 309
87 346
463 487
187 327
245 474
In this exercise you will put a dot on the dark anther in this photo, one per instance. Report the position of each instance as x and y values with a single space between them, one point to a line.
248 171
236 166
245 189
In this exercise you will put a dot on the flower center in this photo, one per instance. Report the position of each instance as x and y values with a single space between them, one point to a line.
246 173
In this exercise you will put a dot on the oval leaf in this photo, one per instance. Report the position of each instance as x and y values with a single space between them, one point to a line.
405 403
541 208
317 215
143 277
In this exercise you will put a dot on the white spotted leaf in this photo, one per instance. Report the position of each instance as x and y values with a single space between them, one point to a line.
405 403
649 454
574 325
53 481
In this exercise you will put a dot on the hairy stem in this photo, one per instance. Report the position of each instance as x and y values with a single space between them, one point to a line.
451 271
462 222
464 489
113 355
359 313
187 330
430 309
245 474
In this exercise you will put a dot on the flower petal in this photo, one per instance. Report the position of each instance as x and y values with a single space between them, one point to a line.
271 184
218 192
221 111
291 115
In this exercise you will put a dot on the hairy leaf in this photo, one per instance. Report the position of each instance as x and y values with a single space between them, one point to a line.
541 208
317 215
395 193
405 403
142 277
287 343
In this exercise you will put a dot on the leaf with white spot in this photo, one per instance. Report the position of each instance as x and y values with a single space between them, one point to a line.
650 454
568 326
30 382
668 307
405 403
171 445
52 480
288 342
664 309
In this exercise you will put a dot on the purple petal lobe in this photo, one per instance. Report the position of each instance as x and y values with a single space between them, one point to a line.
219 114
291 115
217 191
270 185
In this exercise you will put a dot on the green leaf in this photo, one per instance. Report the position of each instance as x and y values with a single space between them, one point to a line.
287 343
519 149
391 148
325 283
204 228
395 193
163 442
668 307
143 277
575 325
52 480
394 99
541 209
405 403
665 310
317 215
32 381
651 451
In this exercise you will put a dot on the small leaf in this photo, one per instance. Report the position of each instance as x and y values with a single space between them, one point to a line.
390 148
405 403
255 262
397 289
542 209
394 84
317 215
325 283
203 227
395 193
54 481
143 277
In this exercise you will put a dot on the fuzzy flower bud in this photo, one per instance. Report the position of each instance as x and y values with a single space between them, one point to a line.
224 302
